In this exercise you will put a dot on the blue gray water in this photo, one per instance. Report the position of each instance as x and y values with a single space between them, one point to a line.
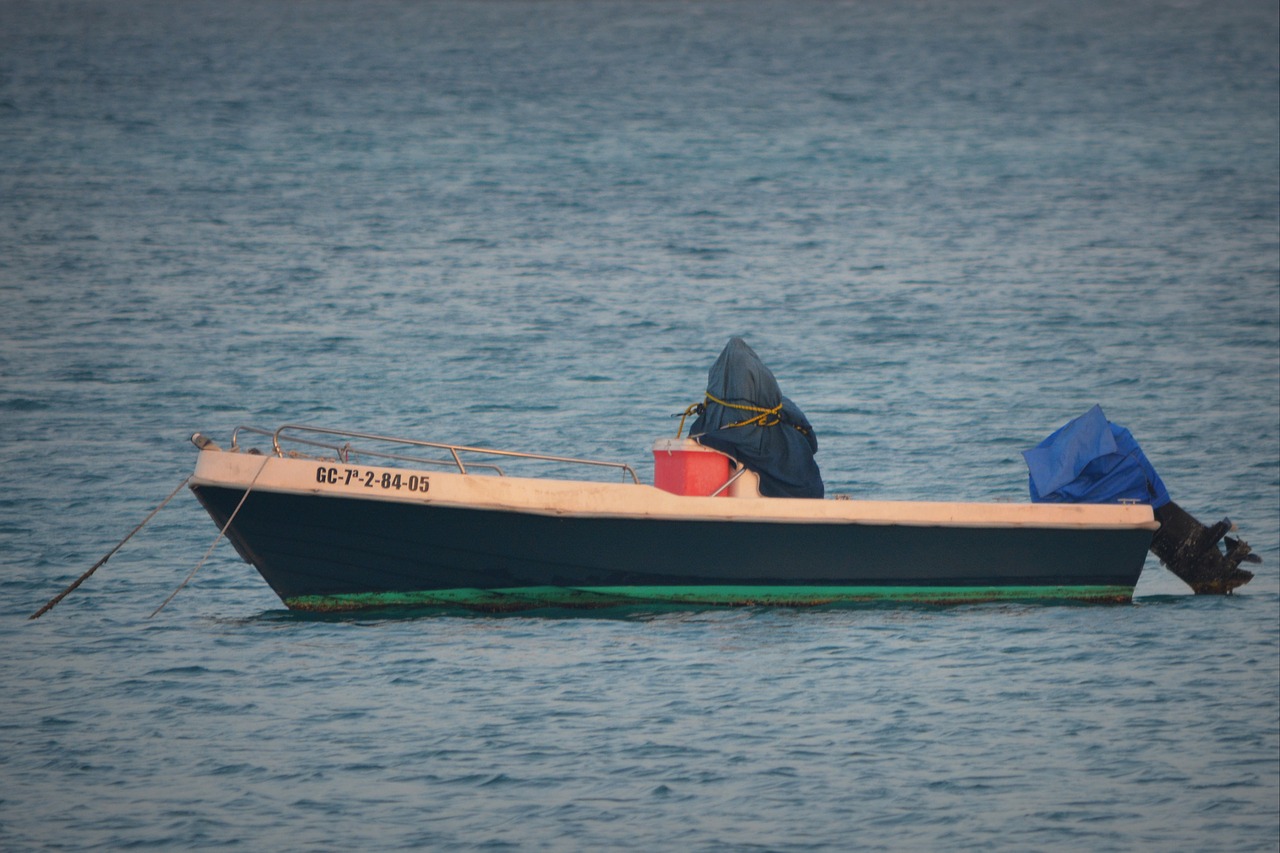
947 227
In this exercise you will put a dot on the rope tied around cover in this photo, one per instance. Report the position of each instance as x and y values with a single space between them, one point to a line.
763 417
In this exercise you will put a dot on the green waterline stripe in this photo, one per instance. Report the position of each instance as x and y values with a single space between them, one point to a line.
526 598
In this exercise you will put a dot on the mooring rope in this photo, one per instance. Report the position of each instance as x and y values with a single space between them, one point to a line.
84 577
216 539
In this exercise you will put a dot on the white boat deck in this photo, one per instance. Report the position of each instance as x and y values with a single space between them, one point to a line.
553 497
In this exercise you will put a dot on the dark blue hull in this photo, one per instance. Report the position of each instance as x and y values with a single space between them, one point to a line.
335 553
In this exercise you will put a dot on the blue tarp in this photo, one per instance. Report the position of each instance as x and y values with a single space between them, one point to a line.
777 444
1091 460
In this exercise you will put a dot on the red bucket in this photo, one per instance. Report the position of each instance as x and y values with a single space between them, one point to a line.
684 467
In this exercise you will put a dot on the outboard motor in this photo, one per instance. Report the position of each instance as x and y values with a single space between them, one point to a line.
745 416
1091 460
1190 550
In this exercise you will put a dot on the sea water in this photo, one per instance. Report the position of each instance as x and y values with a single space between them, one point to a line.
947 227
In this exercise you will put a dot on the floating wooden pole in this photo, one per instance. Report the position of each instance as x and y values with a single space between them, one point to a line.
84 577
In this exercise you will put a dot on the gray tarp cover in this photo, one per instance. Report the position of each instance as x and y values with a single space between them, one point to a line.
782 452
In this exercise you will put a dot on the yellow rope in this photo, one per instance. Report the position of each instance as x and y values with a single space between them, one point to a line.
687 412
762 414
762 417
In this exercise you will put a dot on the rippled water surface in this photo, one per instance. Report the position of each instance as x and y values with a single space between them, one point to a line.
947 227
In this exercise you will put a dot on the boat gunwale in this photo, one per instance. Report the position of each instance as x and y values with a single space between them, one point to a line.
217 468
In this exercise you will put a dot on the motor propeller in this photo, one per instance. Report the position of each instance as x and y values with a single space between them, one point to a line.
1192 551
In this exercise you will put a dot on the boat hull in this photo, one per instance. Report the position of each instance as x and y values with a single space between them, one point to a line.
504 544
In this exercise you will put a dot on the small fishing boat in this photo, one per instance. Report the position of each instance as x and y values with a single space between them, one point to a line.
329 534
346 520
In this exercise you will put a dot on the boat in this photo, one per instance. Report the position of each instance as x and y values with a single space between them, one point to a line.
338 520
